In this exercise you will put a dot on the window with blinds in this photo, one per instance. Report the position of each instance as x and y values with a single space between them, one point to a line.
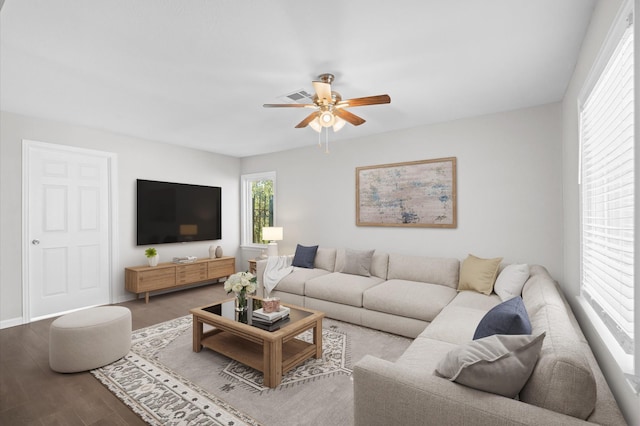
607 191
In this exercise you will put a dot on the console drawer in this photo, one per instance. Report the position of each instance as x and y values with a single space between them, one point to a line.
222 268
186 274
155 278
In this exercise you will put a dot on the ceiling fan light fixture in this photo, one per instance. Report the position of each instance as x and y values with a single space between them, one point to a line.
339 124
329 110
315 124
327 119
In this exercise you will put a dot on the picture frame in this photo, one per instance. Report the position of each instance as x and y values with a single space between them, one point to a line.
410 194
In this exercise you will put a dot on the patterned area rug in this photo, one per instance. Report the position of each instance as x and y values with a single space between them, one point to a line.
334 361
159 395
150 381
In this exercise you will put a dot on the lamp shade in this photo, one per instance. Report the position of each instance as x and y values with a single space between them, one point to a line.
272 233
315 125
339 124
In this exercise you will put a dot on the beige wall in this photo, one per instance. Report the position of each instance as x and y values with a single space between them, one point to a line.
136 158
509 188
602 19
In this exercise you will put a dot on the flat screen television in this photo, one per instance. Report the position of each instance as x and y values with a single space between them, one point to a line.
177 212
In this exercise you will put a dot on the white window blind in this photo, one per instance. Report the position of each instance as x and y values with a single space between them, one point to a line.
607 193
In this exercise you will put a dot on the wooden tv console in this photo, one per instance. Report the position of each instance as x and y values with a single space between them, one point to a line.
145 279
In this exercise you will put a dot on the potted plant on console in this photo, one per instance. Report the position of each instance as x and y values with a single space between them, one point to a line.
152 256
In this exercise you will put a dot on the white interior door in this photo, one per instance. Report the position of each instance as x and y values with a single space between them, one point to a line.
67 233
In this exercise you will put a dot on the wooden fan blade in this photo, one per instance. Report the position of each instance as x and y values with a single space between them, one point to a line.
289 106
323 90
306 121
348 116
367 100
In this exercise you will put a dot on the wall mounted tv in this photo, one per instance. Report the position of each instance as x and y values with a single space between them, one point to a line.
177 212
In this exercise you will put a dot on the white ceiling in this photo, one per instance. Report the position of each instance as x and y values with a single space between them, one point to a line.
196 72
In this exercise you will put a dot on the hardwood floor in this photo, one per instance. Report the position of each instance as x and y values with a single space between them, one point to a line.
32 394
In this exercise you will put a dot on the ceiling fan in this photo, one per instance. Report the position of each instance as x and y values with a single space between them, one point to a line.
329 108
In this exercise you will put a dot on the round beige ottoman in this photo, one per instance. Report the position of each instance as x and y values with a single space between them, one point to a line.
89 339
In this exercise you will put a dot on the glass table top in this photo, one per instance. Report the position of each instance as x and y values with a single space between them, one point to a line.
227 310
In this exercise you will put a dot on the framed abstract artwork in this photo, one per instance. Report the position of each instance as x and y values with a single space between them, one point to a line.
412 194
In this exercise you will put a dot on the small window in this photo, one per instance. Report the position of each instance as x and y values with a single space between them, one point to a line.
258 206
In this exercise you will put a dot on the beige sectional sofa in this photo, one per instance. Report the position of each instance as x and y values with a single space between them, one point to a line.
418 297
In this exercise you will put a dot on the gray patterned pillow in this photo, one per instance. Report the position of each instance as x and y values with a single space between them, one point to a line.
499 364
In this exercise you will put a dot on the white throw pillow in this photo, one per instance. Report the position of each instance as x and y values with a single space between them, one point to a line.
499 364
511 280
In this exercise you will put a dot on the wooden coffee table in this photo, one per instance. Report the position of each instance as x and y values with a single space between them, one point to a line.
271 352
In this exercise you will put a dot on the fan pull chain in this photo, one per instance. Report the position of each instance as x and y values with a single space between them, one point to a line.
326 142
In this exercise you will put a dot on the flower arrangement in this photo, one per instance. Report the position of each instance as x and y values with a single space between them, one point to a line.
241 283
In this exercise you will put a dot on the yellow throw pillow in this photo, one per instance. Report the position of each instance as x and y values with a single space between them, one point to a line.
478 274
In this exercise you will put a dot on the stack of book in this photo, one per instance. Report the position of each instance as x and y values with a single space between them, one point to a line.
272 320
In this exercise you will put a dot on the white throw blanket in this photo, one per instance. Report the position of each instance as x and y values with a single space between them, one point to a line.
277 268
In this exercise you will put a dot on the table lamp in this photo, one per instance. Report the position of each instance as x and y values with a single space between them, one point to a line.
272 234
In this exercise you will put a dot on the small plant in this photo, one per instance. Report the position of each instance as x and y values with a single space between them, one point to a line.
150 252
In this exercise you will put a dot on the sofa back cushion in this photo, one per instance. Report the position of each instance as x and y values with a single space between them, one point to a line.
325 259
432 270
562 380
379 263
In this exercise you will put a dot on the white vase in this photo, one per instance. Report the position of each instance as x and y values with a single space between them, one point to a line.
153 261
218 251
212 252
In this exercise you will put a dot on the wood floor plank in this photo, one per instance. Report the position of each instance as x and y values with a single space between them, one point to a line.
32 394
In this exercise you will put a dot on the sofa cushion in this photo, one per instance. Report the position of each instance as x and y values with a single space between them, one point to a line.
475 300
499 364
424 354
357 262
340 288
304 256
379 263
411 299
432 270
294 282
326 259
478 274
455 324
509 317
541 290
511 280
562 380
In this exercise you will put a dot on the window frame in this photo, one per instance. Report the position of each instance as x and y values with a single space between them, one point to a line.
628 363
246 216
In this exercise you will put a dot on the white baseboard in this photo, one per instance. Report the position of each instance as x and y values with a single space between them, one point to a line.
10 323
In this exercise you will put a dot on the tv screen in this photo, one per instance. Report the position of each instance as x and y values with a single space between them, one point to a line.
177 212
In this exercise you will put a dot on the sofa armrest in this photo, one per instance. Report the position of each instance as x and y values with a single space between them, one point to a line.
260 267
385 393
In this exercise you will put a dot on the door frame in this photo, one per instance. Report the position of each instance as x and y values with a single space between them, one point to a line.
112 250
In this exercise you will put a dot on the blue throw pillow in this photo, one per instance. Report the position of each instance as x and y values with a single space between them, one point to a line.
305 256
509 317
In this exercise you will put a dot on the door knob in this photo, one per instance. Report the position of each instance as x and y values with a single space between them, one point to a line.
35 242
